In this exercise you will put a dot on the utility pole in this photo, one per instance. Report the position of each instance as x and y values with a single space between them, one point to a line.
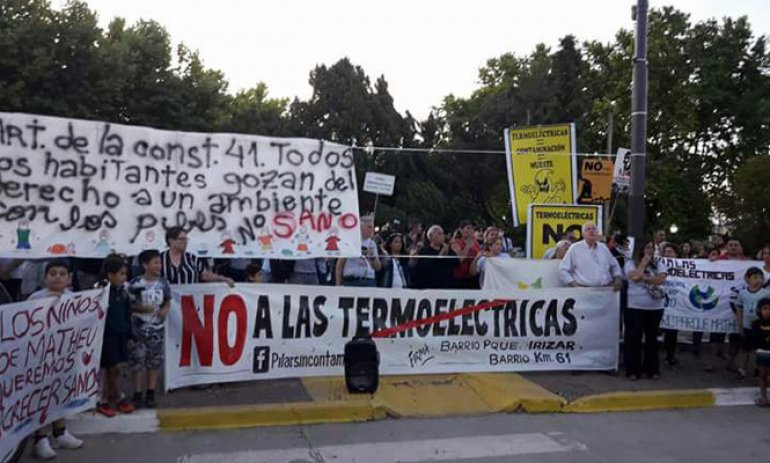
606 215
636 210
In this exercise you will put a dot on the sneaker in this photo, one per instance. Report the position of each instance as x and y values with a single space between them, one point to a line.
150 401
124 406
67 441
137 400
106 410
43 450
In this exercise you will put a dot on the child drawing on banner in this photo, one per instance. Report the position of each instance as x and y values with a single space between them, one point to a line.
332 241
228 243
60 249
103 245
149 240
203 249
266 241
22 236
302 239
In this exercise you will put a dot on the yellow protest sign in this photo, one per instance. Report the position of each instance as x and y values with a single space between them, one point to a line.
595 182
548 223
541 166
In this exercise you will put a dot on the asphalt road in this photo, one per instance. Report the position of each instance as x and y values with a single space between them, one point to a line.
734 434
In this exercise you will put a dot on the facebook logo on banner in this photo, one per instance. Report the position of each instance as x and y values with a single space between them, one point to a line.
261 359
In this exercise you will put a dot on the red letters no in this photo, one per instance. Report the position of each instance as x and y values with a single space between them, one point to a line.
195 331
228 354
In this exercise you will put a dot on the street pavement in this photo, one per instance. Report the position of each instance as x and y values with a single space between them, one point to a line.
688 374
734 434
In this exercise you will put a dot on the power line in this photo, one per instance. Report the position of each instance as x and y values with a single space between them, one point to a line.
370 149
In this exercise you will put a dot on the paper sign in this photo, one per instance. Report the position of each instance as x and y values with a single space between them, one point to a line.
380 184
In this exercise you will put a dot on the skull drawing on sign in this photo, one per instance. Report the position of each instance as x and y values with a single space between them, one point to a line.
543 180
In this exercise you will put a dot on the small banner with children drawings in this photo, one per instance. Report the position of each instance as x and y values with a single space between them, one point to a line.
85 188
50 351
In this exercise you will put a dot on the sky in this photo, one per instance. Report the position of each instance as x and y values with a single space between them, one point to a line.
426 49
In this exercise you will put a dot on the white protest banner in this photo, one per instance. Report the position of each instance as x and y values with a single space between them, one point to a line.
699 293
50 351
521 274
83 188
216 334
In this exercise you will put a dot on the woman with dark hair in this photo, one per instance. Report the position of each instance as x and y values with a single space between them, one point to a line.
686 251
646 299
394 273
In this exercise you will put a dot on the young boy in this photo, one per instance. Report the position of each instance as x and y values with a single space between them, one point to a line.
761 341
151 302
117 329
57 280
746 312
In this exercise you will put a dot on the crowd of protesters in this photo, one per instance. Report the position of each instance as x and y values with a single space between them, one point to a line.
139 298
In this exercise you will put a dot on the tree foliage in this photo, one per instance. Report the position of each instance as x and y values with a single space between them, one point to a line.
709 109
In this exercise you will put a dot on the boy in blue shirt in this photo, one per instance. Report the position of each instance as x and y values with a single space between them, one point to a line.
746 312
151 302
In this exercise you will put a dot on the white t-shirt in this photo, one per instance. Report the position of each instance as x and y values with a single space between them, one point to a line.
359 267
638 297
398 275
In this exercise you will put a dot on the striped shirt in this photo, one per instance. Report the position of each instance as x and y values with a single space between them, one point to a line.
189 270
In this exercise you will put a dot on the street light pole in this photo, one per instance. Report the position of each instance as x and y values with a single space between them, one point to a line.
636 210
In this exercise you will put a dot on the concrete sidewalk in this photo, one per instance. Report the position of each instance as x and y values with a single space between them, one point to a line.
325 399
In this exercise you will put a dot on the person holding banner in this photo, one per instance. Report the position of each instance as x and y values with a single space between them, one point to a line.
180 267
670 337
646 300
494 250
590 263
464 245
361 271
394 273
56 281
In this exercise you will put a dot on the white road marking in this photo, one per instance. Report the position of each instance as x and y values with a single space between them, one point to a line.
735 396
458 448
93 423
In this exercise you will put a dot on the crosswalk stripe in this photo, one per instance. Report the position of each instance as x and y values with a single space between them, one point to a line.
458 448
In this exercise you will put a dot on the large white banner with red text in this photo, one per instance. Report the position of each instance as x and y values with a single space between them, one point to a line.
50 351
217 334
84 188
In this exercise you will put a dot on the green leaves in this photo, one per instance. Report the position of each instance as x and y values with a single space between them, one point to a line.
709 109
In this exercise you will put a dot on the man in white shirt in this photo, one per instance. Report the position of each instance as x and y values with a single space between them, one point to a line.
590 263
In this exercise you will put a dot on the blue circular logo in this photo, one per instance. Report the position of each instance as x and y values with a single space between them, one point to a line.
703 300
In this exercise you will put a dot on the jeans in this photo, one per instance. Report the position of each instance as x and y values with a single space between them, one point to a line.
642 357
359 282
303 279
669 343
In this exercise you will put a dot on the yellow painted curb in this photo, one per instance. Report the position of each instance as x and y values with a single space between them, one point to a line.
269 415
510 392
641 400
407 395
